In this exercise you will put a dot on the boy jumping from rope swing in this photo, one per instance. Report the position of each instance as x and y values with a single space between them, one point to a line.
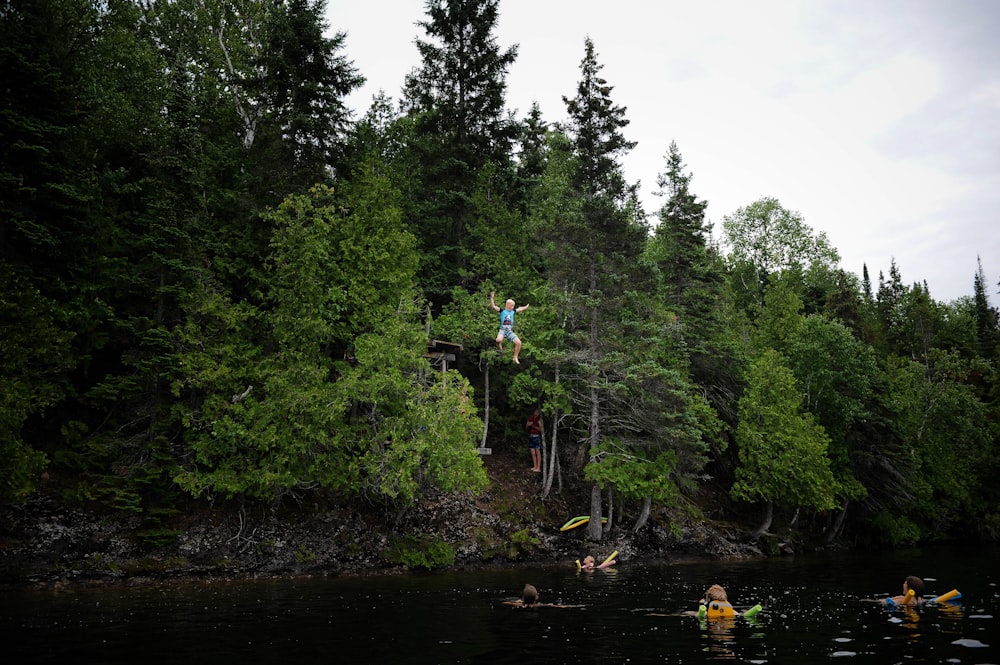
507 325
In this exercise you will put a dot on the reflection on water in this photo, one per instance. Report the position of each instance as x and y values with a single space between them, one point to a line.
813 612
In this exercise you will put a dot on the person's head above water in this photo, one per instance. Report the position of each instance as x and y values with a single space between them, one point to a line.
530 595
716 592
915 584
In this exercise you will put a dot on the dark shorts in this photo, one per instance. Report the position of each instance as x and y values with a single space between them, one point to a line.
535 441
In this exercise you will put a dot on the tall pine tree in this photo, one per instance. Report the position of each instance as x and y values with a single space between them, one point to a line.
595 245
457 100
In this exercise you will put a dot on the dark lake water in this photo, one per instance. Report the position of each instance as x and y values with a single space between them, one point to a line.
813 613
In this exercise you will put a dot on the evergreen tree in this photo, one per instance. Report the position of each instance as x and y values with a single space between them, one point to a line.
692 277
946 457
866 284
890 311
834 372
456 99
847 304
681 236
532 157
379 138
987 317
595 237
302 81
837 374
83 103
34 353
301 418
46 54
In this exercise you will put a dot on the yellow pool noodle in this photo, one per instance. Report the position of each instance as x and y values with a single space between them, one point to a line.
954 593
610 557
909 597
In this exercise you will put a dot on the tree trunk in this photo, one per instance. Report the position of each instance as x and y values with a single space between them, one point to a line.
550 460
766 524
486 404
833 530
550 457
594 530
611 511
643 515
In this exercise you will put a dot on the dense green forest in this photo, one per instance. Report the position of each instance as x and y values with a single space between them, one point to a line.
220 283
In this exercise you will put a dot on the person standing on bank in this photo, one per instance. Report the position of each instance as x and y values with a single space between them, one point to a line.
507 324
534 426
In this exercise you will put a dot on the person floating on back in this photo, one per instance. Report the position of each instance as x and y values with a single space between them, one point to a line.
507 325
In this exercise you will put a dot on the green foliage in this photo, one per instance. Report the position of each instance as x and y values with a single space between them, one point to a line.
296 431
501 242
764 239
456 100
152 532
34 351
782 451
467 319
21 469
304 555
837 374
519 544
778 318
635 473
424 435
420 552
679 245
415 427
895 529
157 537
184 298
522 543
948 432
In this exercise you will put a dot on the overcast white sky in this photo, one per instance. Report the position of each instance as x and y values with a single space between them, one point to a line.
877 120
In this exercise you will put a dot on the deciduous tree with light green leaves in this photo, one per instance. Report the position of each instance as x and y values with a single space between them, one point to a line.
764 238
782 450
836 373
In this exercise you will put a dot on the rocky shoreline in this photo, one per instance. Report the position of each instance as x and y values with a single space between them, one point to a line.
43 544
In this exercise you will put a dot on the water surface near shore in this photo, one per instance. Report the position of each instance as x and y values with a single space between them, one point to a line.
813 612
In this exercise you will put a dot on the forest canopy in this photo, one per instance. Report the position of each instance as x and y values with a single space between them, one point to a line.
219 282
